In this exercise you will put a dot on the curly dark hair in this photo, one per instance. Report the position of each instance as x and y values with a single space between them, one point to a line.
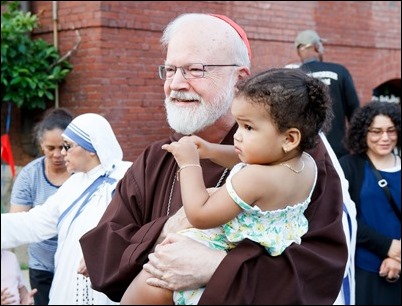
356 135
293 100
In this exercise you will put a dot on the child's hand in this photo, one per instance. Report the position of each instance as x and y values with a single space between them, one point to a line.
185 152
202 145
390 269
7 298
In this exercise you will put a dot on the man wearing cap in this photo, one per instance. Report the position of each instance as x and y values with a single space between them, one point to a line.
309 46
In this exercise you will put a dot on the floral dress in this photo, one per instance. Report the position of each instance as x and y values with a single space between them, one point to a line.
273 229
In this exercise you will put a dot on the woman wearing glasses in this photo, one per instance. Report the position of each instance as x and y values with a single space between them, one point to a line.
373 170
37 181
92 152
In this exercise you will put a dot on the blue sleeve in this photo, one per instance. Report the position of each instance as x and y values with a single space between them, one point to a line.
22 192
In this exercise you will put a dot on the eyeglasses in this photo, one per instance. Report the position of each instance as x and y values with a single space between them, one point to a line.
191 71
377 133
67 146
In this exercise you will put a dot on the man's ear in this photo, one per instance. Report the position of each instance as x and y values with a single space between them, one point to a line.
319 48
244 72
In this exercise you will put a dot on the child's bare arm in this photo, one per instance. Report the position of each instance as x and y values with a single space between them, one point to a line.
140 293
223 155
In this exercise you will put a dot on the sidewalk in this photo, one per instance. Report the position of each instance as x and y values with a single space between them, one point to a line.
25 273
22 255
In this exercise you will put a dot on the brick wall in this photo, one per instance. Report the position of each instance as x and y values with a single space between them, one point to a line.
115 65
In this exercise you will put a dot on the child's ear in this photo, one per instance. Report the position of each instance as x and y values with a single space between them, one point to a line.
292 139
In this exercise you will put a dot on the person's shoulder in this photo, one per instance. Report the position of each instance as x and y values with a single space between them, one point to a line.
350 160
336 66
238 167
346 157
121 168
8 255
157 145
150 157
31 171
154 152
126 164
74 180
37 163
324 69
351 157
5 252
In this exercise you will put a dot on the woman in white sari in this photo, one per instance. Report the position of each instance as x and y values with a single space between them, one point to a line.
93 154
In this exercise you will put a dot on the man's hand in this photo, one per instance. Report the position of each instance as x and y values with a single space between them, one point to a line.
181 263
82 268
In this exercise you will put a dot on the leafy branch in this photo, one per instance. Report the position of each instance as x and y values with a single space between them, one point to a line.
30 68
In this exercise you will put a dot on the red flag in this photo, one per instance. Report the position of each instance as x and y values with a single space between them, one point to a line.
7 153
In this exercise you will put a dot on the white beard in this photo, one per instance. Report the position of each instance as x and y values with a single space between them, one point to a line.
192 119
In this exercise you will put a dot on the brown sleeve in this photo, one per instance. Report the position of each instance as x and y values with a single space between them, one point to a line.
309 273
115 250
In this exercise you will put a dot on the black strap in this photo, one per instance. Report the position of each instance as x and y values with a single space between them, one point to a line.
384 185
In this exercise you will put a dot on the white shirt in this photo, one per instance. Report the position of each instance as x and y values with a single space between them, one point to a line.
42 222
347 294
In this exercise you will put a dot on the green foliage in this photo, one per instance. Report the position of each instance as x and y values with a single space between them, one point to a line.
31 69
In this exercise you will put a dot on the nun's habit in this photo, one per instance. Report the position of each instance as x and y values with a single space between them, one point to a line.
73 210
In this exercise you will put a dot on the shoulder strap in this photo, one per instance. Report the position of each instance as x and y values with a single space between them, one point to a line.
384 185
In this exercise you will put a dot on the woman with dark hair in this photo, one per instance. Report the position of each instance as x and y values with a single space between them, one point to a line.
373 169
37 181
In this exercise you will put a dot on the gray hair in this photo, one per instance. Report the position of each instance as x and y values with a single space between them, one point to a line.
239 48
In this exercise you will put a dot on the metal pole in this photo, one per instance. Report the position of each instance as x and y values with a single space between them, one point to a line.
56 43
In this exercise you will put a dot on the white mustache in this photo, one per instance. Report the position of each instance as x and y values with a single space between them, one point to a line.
184 96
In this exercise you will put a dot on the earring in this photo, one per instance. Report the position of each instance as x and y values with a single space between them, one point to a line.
285 150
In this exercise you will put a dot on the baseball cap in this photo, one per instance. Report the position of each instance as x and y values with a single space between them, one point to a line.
308 37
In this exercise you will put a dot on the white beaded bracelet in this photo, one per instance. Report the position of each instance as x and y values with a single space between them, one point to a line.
185 166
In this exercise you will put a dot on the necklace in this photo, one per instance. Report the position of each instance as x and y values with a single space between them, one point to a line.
174 180
293 169
83 292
